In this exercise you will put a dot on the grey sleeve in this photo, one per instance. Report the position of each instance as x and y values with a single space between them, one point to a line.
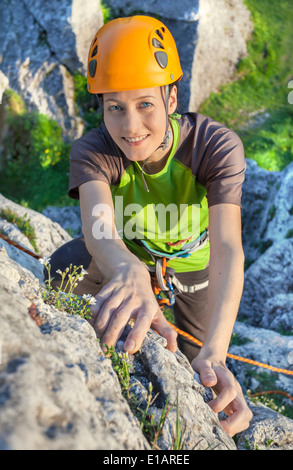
224 168
86 164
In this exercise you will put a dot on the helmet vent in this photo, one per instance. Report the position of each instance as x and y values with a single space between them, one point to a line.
95 51
92 68
159 34
94 42
162 59
157 44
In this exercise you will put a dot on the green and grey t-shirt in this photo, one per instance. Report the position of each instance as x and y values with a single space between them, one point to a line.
205 167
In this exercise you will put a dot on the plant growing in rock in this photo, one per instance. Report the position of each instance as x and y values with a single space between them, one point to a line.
22 223
151 428
63 297
178 438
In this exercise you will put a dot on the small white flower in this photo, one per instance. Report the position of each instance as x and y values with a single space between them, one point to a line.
86 297
44 260
59 271
83 271
89 299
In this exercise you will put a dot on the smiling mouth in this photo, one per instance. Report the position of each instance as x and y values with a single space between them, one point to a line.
133 140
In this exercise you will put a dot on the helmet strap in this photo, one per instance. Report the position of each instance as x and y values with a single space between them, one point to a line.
167 135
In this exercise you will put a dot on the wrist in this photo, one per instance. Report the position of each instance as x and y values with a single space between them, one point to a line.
120 261
132 268
212 354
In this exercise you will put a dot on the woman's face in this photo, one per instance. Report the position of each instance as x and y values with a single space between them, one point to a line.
136 120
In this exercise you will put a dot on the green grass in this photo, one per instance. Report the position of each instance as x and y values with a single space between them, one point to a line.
261 88
268 382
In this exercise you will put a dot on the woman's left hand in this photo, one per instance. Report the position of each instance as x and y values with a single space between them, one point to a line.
229 396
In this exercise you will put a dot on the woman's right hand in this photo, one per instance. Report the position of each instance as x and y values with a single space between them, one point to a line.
129 295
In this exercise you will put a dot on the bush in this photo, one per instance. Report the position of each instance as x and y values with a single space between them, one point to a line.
35 158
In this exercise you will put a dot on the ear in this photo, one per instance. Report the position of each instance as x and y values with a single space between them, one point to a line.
173 100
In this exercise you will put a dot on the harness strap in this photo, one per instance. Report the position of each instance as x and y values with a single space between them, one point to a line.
188 249
163 276
190 289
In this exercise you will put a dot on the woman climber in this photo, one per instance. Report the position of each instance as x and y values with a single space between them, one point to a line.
160 200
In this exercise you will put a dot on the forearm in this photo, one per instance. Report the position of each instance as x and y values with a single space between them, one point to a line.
101 237
110 254
224 294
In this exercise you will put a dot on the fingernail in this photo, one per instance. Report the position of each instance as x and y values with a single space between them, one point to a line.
129 345
209 379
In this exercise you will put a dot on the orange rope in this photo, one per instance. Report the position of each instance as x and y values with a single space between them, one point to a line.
162 302
233 356
20 247
156 289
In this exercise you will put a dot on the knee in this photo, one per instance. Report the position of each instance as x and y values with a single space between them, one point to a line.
71 253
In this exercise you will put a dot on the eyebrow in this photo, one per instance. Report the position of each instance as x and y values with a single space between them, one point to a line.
137 99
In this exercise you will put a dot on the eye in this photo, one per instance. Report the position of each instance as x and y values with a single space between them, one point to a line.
114 107
146 104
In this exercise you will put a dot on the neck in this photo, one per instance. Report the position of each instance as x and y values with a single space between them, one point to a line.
156 162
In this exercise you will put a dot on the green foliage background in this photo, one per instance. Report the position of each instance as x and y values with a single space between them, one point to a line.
259 94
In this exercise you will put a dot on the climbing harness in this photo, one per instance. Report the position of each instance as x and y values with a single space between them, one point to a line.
163 303
163 276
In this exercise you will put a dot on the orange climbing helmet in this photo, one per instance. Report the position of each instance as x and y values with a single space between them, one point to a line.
132 53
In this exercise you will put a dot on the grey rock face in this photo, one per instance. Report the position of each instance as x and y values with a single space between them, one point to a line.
66 217
49 234
267 215
269 276
42 45
281 224
267 208
265 346
257 207
58 391
268 431
223 30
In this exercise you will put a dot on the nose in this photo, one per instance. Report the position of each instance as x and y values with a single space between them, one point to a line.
131 124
